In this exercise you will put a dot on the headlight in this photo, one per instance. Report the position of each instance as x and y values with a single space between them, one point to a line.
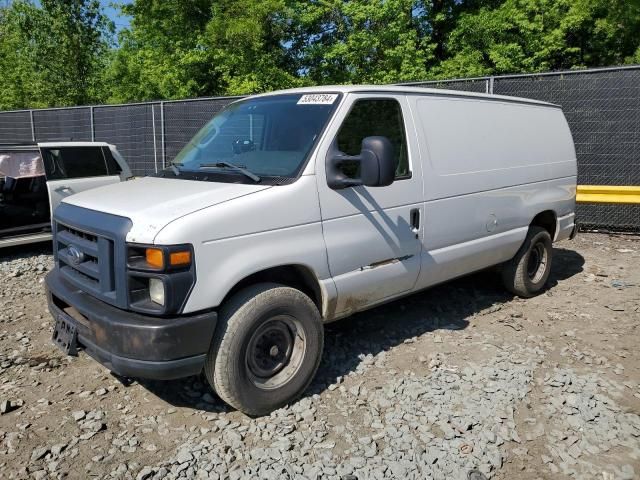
159 277
156 291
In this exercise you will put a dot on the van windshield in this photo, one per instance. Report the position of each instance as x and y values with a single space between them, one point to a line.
257 138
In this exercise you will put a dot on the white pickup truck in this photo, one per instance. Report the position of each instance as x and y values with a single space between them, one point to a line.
300 207
35 177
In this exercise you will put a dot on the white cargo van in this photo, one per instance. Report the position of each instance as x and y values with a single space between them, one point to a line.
296 208
35 177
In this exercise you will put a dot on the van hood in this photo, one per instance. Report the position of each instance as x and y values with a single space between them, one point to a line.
151 203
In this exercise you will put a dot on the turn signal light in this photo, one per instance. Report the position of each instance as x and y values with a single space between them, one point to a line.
180 259
155 257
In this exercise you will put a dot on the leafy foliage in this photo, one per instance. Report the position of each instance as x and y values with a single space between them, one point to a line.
360 41
246 40
62 52
537 35
54 54
162 54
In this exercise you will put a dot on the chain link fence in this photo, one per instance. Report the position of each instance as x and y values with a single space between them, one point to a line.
149 135
135 130
602 107
16 126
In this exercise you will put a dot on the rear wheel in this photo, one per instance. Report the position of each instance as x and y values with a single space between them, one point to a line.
527 272
266 349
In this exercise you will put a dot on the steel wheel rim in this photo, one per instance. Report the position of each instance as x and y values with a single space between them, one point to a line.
537 262
275 352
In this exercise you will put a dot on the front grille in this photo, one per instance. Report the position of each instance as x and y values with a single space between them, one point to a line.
86 260
80 234
91 251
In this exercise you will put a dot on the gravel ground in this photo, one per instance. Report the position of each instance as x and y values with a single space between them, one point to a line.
462 381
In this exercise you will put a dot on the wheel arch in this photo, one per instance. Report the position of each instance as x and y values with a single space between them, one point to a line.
548 220
296 276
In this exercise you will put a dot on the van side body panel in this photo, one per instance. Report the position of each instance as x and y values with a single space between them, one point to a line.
477 145
462 237
489 168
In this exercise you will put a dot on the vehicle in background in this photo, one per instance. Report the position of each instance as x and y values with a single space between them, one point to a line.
296 208
35 177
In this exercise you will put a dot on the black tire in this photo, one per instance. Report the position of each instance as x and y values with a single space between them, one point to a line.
526 274
266 349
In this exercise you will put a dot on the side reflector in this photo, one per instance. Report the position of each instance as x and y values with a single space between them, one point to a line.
177 259
154 257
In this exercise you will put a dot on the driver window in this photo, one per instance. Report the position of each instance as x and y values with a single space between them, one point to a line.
372 117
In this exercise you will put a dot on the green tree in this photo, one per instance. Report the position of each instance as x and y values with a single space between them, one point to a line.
54 54
162 54
178 49
360 41
61 52
247 43
78 37
21 81
537 35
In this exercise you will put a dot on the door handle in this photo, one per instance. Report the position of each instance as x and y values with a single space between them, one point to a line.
64 188
414 216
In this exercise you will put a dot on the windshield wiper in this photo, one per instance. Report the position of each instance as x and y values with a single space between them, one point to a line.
237 168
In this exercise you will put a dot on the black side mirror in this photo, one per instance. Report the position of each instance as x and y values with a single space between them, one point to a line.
377 165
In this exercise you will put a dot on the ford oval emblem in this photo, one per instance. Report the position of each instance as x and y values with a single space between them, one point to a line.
75 256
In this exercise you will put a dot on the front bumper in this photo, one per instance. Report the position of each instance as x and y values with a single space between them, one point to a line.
131 344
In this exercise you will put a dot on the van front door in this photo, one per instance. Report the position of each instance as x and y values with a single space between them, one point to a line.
373 234
72 169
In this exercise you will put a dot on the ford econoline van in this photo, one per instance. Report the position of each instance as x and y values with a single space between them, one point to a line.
296 208
35 177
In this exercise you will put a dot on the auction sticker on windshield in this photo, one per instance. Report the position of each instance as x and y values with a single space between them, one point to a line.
318 99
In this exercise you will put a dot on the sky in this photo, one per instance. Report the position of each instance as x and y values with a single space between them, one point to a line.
113 12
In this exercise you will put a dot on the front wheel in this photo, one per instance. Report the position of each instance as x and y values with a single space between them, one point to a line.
266 349
528 271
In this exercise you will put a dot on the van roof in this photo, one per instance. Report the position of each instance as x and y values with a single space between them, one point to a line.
413 90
